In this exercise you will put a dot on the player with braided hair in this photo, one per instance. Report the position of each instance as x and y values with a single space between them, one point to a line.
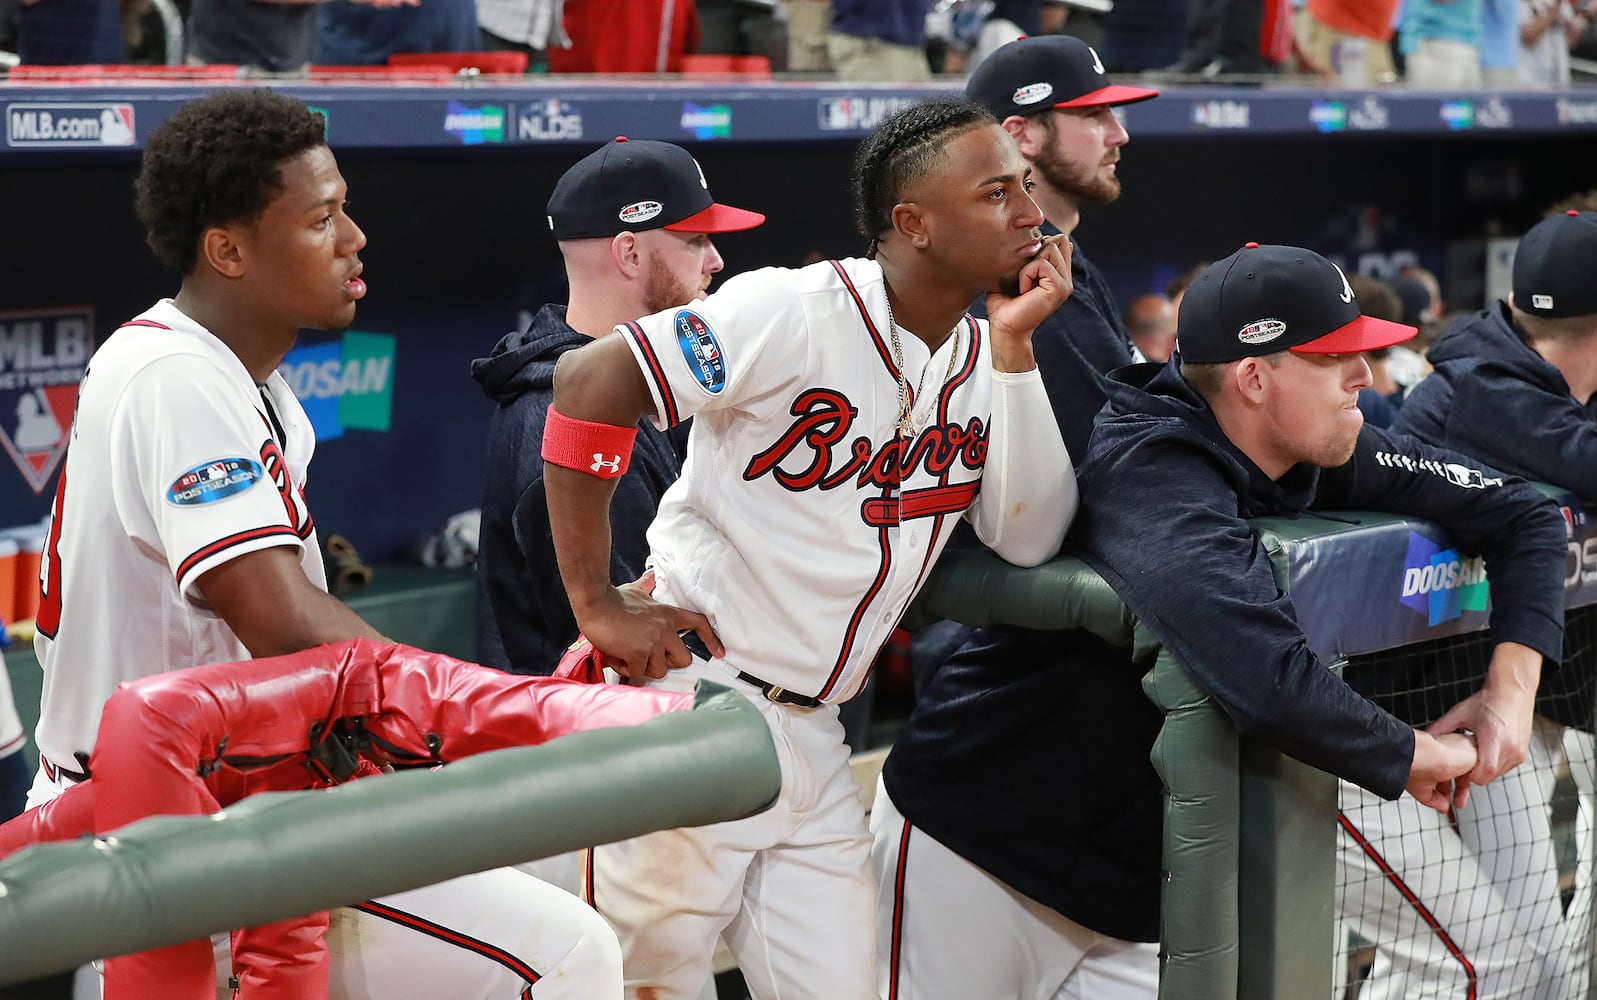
847 414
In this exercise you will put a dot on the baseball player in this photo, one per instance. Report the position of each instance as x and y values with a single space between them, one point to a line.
1511 386
1043 880
1050 92
180 536
362 707
621 266
846 415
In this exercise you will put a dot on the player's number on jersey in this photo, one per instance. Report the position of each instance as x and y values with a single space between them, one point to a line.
49 617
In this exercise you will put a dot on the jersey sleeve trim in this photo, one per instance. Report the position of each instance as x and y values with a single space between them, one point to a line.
187 567
655 373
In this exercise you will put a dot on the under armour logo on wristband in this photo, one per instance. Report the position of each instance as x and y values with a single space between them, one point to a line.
601 464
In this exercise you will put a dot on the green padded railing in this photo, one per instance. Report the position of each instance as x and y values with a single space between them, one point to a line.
168 879
1221 792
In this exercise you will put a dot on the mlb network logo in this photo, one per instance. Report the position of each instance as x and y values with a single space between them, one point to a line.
1439 583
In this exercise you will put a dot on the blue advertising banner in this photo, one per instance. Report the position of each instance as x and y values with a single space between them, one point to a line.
1372 582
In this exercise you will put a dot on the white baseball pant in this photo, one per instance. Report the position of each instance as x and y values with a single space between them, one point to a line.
947 930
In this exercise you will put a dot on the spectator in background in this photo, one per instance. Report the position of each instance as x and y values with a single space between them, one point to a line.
879 40
1547 31
1228 37
69 32
1381 399
743 28
1178 285
1441 43
1420 295
627 36
1143 34
1348 40
1151 320
351 33
530 26
1083 19
274 36
1500 42
1006 21
807 24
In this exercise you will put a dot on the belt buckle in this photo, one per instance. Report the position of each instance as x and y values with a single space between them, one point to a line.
773 694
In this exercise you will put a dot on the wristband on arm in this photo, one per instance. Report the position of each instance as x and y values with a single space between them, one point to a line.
600 450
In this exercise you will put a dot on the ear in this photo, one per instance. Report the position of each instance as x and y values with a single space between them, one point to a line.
220 248
1025 132
910 221
627 254
1251 377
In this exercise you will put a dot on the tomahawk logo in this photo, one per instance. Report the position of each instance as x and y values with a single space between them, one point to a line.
611 465
1439 583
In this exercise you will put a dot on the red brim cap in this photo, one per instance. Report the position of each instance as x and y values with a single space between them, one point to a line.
1366 333
717 219
1112 94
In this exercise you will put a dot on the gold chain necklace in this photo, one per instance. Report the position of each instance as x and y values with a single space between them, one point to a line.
906 416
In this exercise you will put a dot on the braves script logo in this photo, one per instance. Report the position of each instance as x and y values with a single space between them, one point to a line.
299 515
816 452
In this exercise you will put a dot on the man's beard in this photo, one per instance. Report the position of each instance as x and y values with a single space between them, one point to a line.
663 290
1084 184
1009 285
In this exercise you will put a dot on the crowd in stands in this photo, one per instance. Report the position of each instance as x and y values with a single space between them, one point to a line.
1437 44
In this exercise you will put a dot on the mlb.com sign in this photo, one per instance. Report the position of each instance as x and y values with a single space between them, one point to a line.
1439 583
41 124
345 383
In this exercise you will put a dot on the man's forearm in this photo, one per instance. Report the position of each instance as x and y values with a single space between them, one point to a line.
1028 496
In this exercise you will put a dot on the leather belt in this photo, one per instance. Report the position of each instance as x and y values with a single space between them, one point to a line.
772 692
779 695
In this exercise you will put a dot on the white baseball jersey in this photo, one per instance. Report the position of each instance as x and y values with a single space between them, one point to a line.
176 465
802 525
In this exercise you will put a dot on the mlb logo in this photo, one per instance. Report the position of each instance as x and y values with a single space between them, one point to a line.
215 471
707 346
1541 301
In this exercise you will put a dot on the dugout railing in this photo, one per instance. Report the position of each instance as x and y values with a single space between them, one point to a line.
168 879
1251 836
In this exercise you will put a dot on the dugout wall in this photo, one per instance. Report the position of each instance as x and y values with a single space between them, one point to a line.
1251 837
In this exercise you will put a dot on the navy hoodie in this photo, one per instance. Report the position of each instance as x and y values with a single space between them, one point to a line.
1493 397
1075 346
524 622
1028 753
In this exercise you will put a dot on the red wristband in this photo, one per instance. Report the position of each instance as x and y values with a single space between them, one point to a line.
600 450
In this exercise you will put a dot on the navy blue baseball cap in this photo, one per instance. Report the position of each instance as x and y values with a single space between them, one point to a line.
634 186
1031 75
1555 266
1263 300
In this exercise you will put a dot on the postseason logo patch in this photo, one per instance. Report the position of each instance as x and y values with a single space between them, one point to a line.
701 351
213 481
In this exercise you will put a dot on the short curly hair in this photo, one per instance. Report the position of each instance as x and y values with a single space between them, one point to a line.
901 150
218 161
